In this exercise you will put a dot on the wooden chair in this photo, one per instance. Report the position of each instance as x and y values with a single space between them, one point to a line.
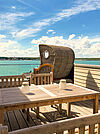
40 79
44 68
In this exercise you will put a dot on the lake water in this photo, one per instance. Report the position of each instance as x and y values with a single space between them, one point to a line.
17 67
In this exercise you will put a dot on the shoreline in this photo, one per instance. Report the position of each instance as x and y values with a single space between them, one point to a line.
38 58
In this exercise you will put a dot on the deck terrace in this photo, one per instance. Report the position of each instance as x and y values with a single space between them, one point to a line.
17 119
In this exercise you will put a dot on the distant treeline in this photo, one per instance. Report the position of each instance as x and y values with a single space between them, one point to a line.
19 58
38 58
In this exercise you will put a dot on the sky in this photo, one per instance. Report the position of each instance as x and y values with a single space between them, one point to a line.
24 24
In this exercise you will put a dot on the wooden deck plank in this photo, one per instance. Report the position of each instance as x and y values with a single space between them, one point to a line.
36 120
6 122
20 119
30 122
12 121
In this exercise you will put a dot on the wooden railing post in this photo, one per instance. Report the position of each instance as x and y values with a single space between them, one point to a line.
31 77
3 129
51 77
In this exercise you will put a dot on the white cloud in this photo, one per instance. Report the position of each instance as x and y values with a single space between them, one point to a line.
12 48
83 47
8 21
25 33
71 36
13 7
51 31
2 36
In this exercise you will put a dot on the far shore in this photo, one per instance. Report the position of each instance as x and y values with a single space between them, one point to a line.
38 58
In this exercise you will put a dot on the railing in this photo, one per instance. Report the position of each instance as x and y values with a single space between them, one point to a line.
81 125
84 75
11 81
87 76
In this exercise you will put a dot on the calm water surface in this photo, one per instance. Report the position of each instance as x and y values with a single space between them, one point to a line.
17 67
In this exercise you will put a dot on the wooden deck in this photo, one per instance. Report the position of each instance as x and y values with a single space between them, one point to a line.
17 119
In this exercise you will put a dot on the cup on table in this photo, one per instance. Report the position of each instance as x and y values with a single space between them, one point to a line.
25 87
62 84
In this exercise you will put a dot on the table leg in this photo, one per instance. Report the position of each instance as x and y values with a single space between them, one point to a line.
95 104
27 114
68 109
2 116
60 108
37 112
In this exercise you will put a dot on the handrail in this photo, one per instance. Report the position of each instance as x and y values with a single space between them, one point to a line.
87 66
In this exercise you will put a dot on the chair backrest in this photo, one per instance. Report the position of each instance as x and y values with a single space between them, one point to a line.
11 81
44 68
41 79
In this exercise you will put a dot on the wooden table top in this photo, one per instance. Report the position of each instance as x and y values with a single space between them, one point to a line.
18 95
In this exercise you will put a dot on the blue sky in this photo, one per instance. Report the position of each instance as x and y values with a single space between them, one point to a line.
26 23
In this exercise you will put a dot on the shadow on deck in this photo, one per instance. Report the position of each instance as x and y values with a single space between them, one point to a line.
17 119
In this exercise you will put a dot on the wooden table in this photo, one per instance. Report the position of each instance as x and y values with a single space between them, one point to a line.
19 98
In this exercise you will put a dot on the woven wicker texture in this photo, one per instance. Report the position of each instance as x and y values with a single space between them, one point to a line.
62 58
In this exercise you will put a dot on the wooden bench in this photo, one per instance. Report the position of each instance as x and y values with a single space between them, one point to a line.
80 125
11 81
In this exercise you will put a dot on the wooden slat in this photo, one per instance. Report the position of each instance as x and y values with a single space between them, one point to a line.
20 119
98 128
89 75
48 79
6 121
51 77
91 79
15 82
89 85
18 81
14 125
35 80
41 80
91 129
87 66
86 70
38 80
6 82
2 84
88 82
45 80
2 116
71 131
10 82
81 130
